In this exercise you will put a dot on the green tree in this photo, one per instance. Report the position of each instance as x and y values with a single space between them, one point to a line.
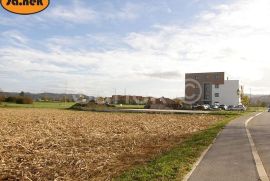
245 100
263 104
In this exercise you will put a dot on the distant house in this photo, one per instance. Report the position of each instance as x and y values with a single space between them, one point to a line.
108 100
100 100
163 103
128 99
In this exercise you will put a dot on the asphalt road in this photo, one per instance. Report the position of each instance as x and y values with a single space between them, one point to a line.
259 129
230 157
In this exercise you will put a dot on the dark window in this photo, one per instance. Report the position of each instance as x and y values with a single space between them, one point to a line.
216 76
196 77
216 86
216 94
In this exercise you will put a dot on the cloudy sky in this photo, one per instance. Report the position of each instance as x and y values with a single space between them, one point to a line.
144 47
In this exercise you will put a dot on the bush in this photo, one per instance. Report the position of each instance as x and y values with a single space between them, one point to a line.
24 100
10 99
2 99
19 100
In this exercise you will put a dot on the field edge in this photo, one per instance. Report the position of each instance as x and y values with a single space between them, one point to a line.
176 163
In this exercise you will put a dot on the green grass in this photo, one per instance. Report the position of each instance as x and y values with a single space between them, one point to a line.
256 109
175 164
249 110
50 105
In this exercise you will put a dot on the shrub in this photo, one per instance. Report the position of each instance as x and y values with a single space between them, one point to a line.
11 99
19 100
24 100
2 99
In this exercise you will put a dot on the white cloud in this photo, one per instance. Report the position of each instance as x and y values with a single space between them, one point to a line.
233 38
129 11
78 12
164 75
13 37
75 13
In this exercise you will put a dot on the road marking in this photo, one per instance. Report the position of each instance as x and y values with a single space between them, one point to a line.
259 165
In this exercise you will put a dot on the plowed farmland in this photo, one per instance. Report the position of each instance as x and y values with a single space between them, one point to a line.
44 144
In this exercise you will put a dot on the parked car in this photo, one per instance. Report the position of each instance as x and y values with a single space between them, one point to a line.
223 107
196 107
215 107
239 108
207 106
201 107
230 107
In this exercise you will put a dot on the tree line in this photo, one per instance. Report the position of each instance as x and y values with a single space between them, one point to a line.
20 99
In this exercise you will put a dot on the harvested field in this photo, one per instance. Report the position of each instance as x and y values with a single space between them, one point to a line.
43 144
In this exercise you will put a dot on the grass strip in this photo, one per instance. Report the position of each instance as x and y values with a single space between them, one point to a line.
179 161
47 105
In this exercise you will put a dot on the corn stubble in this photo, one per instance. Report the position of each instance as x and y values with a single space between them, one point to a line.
43 144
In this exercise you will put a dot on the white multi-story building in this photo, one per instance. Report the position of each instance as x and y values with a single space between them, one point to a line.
227 93
212 88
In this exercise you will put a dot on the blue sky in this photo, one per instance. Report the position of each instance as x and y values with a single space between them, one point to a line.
145 47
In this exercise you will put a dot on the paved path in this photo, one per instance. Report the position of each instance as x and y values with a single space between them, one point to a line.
260 132
230 157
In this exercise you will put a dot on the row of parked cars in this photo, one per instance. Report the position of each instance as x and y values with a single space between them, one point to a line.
220 107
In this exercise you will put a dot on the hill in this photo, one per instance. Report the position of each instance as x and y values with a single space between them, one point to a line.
257 99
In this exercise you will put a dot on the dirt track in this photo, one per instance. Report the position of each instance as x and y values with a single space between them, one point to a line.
43 144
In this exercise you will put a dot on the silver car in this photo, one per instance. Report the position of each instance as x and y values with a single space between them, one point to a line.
239 108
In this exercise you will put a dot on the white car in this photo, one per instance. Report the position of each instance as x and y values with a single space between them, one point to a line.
206 106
